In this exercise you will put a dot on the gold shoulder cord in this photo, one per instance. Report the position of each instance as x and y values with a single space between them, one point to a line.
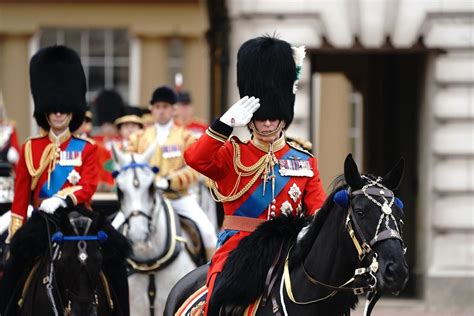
261 166
47 160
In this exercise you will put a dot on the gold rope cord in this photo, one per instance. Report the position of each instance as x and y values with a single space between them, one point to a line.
263 165
48 159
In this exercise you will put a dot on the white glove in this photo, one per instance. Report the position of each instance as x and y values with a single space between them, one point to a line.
52 204
162 184
241 112
12 155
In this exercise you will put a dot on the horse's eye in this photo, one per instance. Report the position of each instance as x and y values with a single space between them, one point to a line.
359 213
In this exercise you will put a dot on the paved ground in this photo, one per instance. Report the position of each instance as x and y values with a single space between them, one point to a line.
405 307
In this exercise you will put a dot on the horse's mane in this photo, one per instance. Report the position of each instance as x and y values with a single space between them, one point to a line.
242 279
307 241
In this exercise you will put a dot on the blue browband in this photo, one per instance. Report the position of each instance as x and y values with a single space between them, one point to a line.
134 165
59 237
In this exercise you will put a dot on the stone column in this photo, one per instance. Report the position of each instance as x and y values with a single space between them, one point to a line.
196 75
14 81
153 65
450 202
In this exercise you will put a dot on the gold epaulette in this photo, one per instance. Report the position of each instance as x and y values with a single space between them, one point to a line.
300 145
87 139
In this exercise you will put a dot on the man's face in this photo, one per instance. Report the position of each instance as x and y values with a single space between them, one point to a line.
267 126
184 111
127 129
59 121
162 112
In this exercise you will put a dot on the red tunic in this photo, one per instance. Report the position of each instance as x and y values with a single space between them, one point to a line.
213 156
196 127
105 161
78 189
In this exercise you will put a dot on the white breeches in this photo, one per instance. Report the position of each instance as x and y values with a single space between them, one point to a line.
187 206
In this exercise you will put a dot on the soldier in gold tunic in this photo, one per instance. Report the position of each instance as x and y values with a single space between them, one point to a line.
174 177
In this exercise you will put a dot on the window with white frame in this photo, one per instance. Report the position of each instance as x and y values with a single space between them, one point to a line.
175 59
104 54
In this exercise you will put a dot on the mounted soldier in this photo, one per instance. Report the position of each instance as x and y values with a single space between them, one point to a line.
174 176
267 176
9 154
55 170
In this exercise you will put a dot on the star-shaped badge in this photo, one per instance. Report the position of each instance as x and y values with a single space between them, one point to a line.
294 192
73 177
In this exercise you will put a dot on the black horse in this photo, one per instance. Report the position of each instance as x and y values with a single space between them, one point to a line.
78 270
352 246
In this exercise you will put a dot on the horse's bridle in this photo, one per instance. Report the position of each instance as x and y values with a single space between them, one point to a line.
373 188
168 256
49 280
136 183
366 253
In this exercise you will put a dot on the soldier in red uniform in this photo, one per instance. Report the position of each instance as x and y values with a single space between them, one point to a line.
266 176
55 170
108 106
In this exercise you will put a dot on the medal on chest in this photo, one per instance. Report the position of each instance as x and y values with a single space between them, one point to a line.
295 167
70 158
171 151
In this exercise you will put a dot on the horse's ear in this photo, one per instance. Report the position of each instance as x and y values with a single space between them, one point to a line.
147 154
393 178
118 155
351 173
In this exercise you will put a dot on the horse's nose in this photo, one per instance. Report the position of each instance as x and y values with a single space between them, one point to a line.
395 275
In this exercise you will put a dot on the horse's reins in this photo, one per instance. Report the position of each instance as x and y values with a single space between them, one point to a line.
364 248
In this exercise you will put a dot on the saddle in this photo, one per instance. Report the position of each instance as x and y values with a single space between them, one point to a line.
195 246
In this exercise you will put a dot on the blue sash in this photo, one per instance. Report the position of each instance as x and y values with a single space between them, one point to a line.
257 203
60 173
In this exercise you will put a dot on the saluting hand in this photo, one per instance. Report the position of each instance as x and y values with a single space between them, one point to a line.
241 112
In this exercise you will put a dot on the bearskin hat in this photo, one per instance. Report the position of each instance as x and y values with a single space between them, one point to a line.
108 106
163 94
58 84
266 70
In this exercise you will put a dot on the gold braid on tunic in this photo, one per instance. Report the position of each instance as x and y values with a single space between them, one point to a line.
264 168
48 160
